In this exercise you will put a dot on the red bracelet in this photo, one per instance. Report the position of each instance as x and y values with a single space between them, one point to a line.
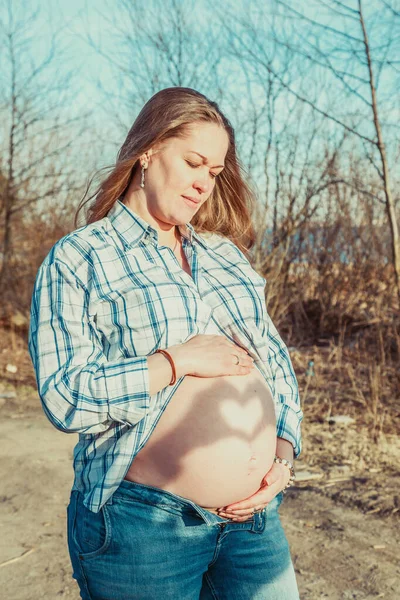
167 355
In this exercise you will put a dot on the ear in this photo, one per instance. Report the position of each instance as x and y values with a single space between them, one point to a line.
145 157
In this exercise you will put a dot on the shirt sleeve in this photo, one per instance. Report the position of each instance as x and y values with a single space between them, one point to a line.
80 390
285 387
288 410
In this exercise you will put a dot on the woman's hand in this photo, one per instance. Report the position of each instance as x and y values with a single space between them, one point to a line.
272 483
211 356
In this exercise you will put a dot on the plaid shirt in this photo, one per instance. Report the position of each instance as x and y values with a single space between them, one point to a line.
107 296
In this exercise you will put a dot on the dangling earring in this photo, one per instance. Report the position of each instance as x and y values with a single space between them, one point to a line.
142 180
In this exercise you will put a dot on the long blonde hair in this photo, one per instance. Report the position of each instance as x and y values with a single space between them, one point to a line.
167 114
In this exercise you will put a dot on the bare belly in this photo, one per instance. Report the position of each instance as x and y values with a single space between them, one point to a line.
214 442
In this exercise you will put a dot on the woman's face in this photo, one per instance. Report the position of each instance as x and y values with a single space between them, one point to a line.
176 170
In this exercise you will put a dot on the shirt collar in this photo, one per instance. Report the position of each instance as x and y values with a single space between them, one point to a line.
132 228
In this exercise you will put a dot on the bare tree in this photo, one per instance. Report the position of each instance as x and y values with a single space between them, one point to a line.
333 41
39 129
384 172
165 45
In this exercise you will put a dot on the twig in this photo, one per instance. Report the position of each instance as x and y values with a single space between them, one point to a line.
334 482
13 560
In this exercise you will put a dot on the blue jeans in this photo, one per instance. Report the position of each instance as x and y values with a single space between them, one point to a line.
149 544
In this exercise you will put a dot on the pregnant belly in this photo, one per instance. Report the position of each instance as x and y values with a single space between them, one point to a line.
214 442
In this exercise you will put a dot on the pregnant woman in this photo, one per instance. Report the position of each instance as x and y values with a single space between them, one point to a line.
150 339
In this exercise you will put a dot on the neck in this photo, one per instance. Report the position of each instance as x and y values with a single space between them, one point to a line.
169 237
176 239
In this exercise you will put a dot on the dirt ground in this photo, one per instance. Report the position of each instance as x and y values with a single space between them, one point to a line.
341 519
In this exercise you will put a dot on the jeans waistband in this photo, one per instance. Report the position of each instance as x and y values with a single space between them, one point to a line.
157 496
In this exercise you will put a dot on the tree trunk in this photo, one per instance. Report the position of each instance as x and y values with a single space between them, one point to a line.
390 207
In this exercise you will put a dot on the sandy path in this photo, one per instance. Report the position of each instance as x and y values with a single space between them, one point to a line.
339 553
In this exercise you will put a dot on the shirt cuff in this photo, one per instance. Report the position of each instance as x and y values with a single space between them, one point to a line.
128 389
288 422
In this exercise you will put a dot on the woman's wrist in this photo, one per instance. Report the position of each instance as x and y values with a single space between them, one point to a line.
290 468
171 361
284 449
179 360
284 455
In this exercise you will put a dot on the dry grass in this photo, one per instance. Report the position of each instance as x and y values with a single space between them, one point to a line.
339 380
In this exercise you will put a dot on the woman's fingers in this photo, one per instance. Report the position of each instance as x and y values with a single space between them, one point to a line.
244 516
245 508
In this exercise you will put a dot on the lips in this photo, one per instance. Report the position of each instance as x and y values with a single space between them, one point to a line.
194 200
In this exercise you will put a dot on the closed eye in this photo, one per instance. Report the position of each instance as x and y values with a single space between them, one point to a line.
195 166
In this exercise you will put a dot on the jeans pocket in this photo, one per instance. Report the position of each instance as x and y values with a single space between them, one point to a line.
274 504
91 532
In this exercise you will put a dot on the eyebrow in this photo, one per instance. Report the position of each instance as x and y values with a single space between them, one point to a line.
205 159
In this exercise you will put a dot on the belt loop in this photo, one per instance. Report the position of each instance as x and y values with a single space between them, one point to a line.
259 521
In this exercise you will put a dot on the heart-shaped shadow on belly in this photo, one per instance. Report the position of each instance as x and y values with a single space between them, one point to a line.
225 408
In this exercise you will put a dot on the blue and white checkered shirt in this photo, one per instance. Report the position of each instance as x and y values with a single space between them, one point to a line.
107 296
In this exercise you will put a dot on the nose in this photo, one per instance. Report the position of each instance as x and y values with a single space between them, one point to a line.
202 185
